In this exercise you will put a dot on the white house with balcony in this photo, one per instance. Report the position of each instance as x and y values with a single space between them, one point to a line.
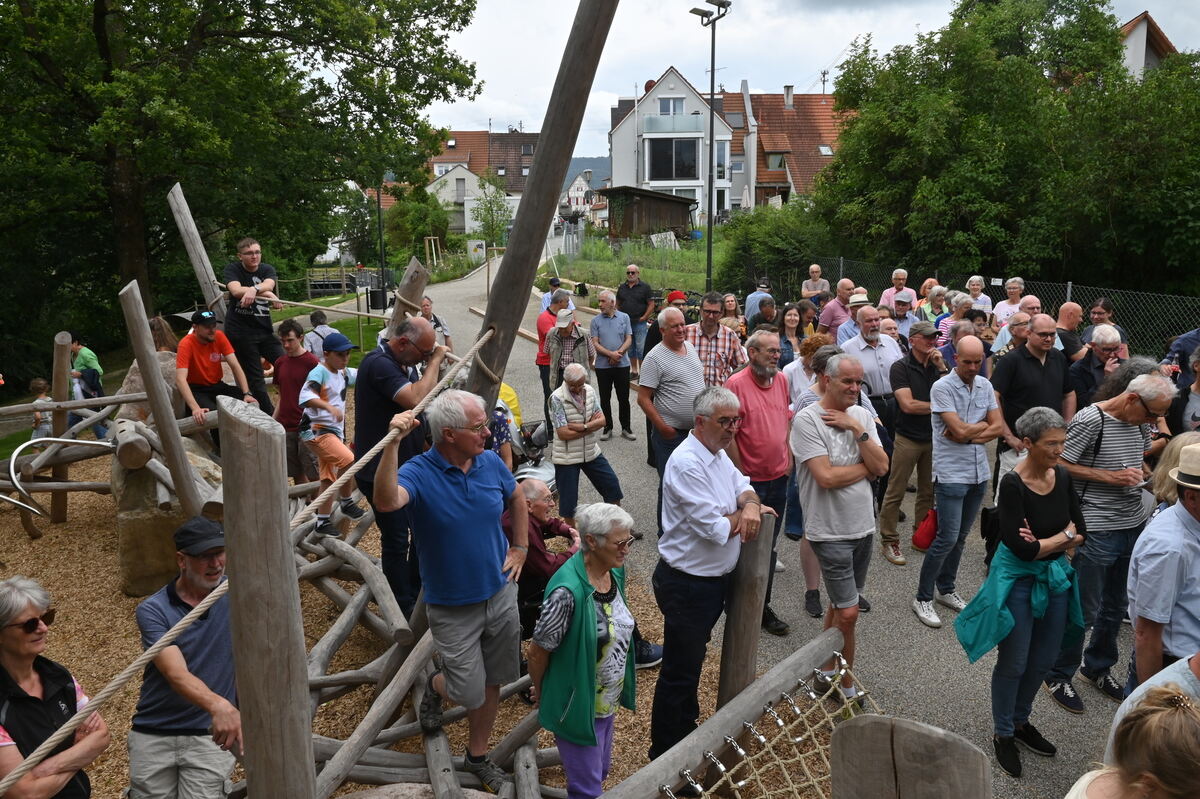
659 141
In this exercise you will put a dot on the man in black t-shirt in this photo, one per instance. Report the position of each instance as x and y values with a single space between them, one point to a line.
635 298
1069 317
251 286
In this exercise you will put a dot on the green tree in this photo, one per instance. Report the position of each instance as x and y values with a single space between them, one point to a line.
415 215
778 243
491 211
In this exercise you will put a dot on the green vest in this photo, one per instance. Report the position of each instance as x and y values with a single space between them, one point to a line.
568 699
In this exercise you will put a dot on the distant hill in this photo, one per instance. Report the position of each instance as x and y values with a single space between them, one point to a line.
598 164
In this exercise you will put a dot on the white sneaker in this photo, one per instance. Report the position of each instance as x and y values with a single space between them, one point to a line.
951 600
779 566
926 613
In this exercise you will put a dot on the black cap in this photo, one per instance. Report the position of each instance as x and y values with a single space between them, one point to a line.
205 317
198 535
555 281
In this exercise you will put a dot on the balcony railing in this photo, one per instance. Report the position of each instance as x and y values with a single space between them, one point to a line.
677 123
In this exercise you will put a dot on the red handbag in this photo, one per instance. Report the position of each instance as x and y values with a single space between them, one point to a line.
926 531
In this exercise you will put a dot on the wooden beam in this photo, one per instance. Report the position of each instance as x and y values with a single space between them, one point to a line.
72 405
504 751
539 203
525 771
133 450
411 289
389 608
60 390
195 250
159 395
276 724
68 486
743 616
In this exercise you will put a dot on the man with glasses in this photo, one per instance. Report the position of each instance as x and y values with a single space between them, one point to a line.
1101 360
455 494
635 298
709 509
388 384
1106 446
760 448
251 286
717 346
577 421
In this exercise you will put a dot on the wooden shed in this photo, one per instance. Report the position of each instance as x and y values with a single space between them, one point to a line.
638 212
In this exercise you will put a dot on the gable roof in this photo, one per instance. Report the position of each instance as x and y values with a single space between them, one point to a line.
470 148
734 104
1155 38
797 132
626 105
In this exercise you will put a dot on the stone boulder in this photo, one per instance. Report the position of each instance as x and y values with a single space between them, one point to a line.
133 384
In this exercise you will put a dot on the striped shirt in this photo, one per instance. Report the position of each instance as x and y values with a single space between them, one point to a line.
676 380
721 354
1098 440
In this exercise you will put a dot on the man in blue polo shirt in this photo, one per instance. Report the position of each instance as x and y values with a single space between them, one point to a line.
455 494
187 727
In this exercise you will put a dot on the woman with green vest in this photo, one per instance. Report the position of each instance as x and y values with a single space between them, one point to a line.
579 658
1029 603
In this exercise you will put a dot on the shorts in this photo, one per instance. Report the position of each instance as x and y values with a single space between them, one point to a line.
844 567
480 644
187 766
301 462
332 455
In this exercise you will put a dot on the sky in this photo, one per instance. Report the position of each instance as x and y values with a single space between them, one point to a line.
517 48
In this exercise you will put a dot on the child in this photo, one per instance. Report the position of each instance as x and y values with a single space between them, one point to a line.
323 427
41 419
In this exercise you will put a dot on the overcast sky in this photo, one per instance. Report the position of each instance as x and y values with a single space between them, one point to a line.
517 47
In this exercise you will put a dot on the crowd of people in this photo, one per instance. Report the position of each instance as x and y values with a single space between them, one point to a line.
820 411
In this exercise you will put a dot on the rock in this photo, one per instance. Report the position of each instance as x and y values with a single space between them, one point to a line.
133 384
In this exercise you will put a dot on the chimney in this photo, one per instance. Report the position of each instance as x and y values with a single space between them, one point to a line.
787 95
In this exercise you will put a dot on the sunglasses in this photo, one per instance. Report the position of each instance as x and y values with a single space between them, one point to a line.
30 626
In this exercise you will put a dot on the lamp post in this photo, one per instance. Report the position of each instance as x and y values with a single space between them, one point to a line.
709 20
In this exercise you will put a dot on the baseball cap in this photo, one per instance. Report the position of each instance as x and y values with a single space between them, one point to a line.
336 342
205 317
676 296
903 296
565 317
764 283
555 281
925 329
198 535
859 299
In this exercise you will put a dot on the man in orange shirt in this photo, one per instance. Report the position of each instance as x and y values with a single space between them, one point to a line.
198 370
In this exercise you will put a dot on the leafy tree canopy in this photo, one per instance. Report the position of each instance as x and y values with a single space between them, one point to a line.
491 211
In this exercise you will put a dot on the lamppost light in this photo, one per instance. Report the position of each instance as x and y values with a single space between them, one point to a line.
703 13
720 3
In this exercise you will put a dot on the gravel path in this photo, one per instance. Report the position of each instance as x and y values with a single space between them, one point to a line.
915 672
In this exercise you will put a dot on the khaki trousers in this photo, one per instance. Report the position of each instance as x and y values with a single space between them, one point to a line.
907 455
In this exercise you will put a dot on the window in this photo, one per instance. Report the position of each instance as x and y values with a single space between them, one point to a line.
722 158
737 166
774 160
824 149
500 171
441 169
719 200
674 159
460 189
452 143
670 106
526 149
736 119
524 171
689 193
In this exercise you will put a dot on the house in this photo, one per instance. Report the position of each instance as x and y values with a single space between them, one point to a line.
659 142
577 199
1145 44
466 157
452 189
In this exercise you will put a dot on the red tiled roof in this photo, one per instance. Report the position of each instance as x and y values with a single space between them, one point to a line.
470 147
735 105
809 123
389 199
775 141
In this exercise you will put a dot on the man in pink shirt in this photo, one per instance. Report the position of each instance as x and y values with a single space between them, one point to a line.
899 279
760 444
837 310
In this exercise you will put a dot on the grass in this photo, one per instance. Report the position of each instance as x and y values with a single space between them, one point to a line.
289 312
663 269
11 441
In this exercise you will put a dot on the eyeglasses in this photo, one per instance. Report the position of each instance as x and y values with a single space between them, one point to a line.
1109 350
626 544
769 350
251 252
728 422
30 626
1018 324
1146 408
631 272
711 311
1044 334
478 429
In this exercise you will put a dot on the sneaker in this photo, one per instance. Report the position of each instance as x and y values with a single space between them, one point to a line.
1106 685
431 708
606 435
1064 694
773 624
628 435
903 517
951 600
327 527
812 603
926 613
352 511
780 566
645 654
1031 739
891 551
1007 756
863 605
491 775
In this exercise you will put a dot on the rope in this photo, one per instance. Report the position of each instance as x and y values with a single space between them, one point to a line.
393 434
117 683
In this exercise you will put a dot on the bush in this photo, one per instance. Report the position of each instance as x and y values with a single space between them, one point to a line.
778 243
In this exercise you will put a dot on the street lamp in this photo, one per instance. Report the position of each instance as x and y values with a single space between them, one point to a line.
709 20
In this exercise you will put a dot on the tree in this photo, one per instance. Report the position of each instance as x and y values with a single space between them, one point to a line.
415 215
778 243
491 211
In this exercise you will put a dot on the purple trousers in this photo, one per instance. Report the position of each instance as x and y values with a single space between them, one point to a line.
587 766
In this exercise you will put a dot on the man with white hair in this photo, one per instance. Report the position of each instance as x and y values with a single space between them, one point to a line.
577 420
838 453
708 510
1104 453
1102 359
612 336
902 303
899 281
455 494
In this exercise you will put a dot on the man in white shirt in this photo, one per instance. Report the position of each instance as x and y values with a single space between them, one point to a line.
708 510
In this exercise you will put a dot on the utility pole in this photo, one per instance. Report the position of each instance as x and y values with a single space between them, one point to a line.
709 20
824 77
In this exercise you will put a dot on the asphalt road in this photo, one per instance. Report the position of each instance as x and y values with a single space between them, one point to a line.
913 671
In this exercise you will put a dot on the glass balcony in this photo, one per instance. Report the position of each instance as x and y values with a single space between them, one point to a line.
676 123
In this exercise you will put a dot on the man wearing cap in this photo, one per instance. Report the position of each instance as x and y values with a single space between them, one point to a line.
555 284
754 299
1164 590
251 286
849 329
187 728
837 311
902 303
635 298
198 370
566 344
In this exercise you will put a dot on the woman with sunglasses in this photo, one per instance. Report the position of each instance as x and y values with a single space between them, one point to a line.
579 657
37 696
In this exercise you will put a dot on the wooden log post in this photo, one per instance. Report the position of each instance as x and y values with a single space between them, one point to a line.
195 250
743 616
71 405
525 771
60 391
411 289
273 701
159 396
539 203
133 450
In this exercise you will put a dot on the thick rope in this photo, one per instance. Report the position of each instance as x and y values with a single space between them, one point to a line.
117 683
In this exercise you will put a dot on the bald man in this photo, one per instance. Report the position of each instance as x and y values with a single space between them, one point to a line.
1070 314
837 310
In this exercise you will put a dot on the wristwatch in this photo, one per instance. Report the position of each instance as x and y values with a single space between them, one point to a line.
1069 533
865 436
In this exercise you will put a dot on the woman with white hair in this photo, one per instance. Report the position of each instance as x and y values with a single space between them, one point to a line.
1014 287
579 657
958 309
978 299
934 304
37 696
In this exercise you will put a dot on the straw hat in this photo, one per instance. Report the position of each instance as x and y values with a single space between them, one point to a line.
1187 473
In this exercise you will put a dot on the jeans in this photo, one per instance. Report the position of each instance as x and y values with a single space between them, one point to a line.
662 452
1025 655
99 429
598 471
793 518
957 504
907 455
773 494
544 373
397 554
690 607
251 348
607 379
639 339
1102 566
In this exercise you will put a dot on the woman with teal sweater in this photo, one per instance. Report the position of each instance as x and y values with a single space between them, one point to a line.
1030 601
579 658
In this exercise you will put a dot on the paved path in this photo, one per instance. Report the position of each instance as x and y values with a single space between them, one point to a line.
914 672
